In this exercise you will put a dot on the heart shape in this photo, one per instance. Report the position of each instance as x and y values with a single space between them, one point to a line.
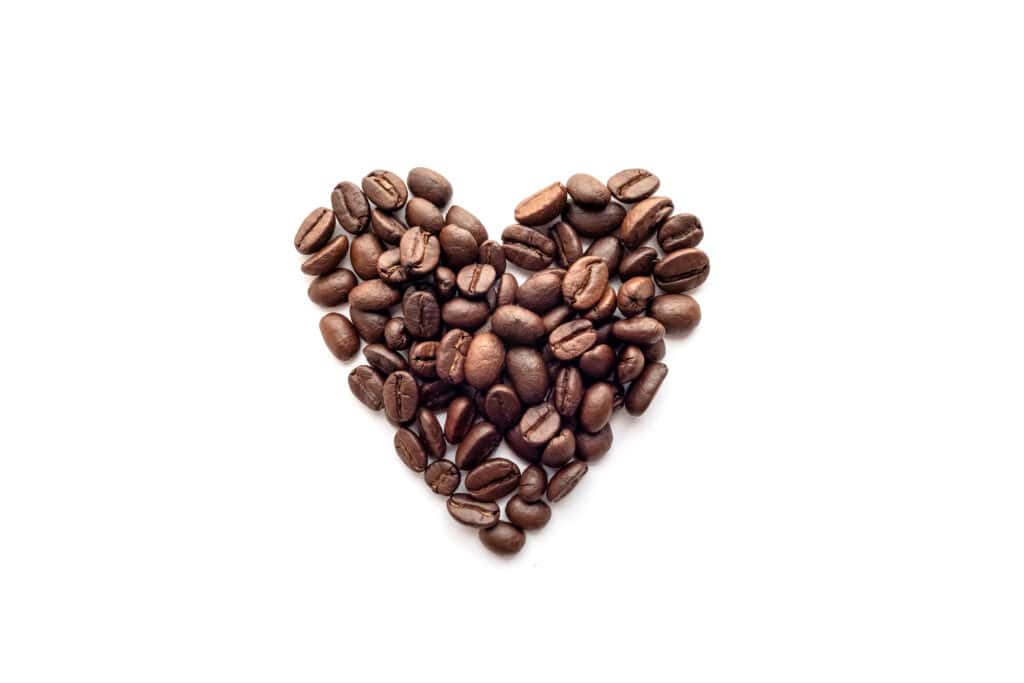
541 364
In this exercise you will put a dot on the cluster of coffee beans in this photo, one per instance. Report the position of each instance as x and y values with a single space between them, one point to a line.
541 363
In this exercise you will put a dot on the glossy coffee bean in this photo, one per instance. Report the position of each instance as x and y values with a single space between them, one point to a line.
571 339
517 324
374 295
333 288
390 268
528 372
386 227
465 314
604 308
383 358
475 513
608 248
682 231
596 408
436 395
682 270
565 480
340 335
493 254
459 419
555 317
443 477
431 433
475 279
422 314
525 450
423 359
480 441
539 423
527 248
638 262
633 184
385 189
366 250
350 207
410 450
542 206
677 312
635 294
395 335
585 282
643 219
654 352
502 538
532 483
541 292
401 397
421 213
314 231
370 325
588 190
464 219
595 222
458 246
431 185
641 330
493 479
590 447
420 251
526 515
568 391
598 361
630 364
502 406
560 449
451 356
367 385
485 360
327 258
568 247
642 391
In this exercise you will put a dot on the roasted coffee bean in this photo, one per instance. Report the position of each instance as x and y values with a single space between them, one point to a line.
340 335
460 417
527 248
525 515
485 360
539 423
654 352
596 408
568 391
502 406
451 356
568 247
464 219
525 450
541 292
410 449
431 185
493 254
643 219
571 339
542 206
390 268
565 480
598 362
422 314
327 258
465 314
315 231
423 359
638 262
595 222
592 446
386 227
475 279
477 445
555 317
475 513
532 483
421 213
642 391
333 288
631 364
436 395
502 538
560 449
366 249
431 433
633 184
443 477
370 325
677 312
635 294
682 231
641 330
383 358
368 386
604 308
350 207
374 295
420 250
458 246
682 270
608 248
502 292
588 190
401 397
444 282
517 325
385 189
528 373
395 335
585 282
493 479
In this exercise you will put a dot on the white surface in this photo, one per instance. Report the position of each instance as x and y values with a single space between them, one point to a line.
183 489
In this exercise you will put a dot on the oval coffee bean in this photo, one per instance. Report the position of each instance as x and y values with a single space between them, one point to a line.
682 231
340 335
389 268
642 391
502 538
436 395
633 184
593 446
315 231
595 222
493 479
682 270
368 386
410 450
542 206
539 424
401 397
635 294
473 513
541 292
386 227
517 324
568 246
350 207
585 281
598 361
528 372
588 190
451 356
532 483
431 185
326 259
526 515
385 189
631 364
571 339
333 288
568 391
374 295
464 219
478 444
459 419
485 360
527 248
654 352
370 325
560 449
383 358
430 433
475 279
596 408
458 246
502 406
641 330
565 480
638 262
395 335
608 248
643 219
421 213
423 359
604 308
493 254
366 250
443 477
677 312
420 251
527 451
465 313
422 314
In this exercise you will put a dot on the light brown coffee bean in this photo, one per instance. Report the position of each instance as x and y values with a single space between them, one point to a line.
431 185
542 206
643 219
385 189
333 288
633 184
340 335
588 190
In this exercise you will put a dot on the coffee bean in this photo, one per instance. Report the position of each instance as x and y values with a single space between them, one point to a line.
436 395
443 477
585 282
532 483
560 449
383 358
459 420
458 246
493 479
395 335
368 386
682 270
401 397
609 249
431 433
630 365
370 325
502 292
444 281
465 313
493 254
565 480
541 206
654 352
350 207
596 408
604 308
386 227
539 423
422 314
420 251
568 247
484 360
555 317
633 184
542 291
340 335
421 213
525 450
478 444
451 356
598 361
526 515
385 189
366 249
333 288
502 406
464 219
588 190
475 513
502 538
374 295
643 219
568 391
423 359
527 248
431 185
642 391
595 222
390 269
410 450
475 279
682 231
327 258
638 262
677 312
315 231
592 446
571 339
635 294
639 330
517 325
528 373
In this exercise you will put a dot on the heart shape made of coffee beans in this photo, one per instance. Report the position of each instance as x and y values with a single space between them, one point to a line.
541 364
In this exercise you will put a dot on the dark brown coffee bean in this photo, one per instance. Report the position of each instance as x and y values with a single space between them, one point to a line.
451 356
370 325
528 373
390 269
631 364
340 335
395 335
633 184
385 189
485 360
333 288
423 359
527 248
503 291
502 538
635 294
565 480
327 258
595 222
493 479
444 282
366 249
475 513
588 190
642 391
368 386
420 250
527 516
421 213
638 262
436 395
532 483
643 219
682 270
682 231
592 446
383 358
541 292
604 308
431 185
677 312
464 219
386 227
422 314
475 279
555 317
596 408
465 314
460 417
431 433
401 397
541 206
477 445
568 247
315 231
525 450
350 207
374 295
609 249
458 246
539 423
585 282
641 330
560 449
517 325
502 406
654 352
410 449
571 339
443 477
568 391
598 362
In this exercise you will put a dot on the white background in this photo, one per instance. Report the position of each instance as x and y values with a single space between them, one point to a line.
829 487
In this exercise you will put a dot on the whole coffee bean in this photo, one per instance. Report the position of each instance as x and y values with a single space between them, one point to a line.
443 477
532 483
333 288
374 295
565 480
595 222
315 231
585 282
368 386
541 292
431 185
638 262
596 408
385 189
485 360
640 330
608 248
528 373
451 355
643 219
395 335
604 308
340 335
370 325
478 444
539 423
654 352
436 395
542 206
503 291
464 219
383 358
568 247
682 231
401 397
327 258
431 433
631 364
465 313
525 450
460 417
682 270
571 339
642 391
502 538
421 213
444 282
527 516
423 359
389 268
502 406
475 279
568 391
527 248
493 254
420 251
493 479
422 314
635 294
588 190
350 207
560 449
598 362
410 450
517 325
633 184
475 513
366 249
592 446
555 317
458 246
386 227
677 312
